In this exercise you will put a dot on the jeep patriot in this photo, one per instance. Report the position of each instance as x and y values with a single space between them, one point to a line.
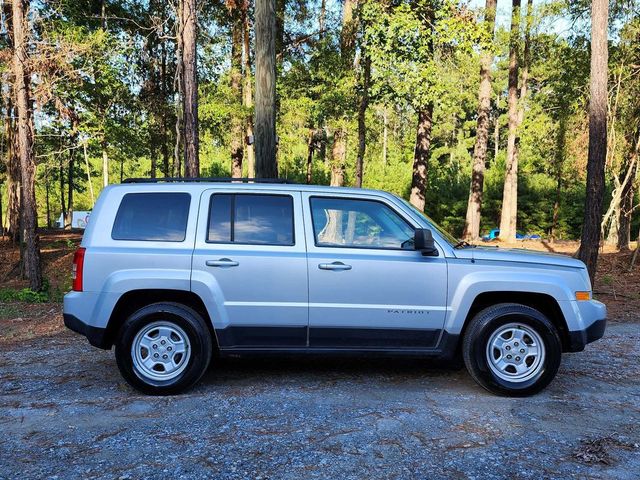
177 273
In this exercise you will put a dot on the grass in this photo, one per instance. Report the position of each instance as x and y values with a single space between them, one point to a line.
8 310
24 295
30 296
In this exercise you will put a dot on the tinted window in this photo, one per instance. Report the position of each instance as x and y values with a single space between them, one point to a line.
358 223
220 218
251 219
152 216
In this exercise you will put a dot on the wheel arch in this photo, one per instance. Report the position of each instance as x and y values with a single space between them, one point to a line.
544 303
133 300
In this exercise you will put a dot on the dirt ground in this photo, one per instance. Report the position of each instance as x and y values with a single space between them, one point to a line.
65 412
56 249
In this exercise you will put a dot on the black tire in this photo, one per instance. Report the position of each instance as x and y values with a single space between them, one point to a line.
480 332
189 322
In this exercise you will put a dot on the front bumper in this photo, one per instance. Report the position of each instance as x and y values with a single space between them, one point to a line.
579 339
593 317
96 336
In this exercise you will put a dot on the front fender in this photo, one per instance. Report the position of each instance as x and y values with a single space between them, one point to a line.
466 289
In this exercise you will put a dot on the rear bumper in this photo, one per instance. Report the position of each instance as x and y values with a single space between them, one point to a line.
95 335
81 313
579 339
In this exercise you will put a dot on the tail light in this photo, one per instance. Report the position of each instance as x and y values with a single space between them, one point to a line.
76 272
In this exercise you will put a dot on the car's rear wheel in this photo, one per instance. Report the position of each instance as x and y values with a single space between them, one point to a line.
163 348
512 349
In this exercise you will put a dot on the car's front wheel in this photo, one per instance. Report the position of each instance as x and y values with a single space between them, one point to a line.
512 349
163 348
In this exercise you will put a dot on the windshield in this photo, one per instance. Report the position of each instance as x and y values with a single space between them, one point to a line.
453 241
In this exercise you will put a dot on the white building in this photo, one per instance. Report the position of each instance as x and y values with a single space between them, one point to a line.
80 220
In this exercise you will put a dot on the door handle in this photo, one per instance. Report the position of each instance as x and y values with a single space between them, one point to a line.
223 262
334 266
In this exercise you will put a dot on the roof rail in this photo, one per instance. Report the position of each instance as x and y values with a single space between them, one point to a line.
207 179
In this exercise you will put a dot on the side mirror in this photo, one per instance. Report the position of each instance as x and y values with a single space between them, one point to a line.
423 241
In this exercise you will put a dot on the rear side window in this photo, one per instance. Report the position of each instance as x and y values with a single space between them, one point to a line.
152 217
251 219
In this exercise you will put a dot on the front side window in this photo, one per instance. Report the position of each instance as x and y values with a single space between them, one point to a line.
251 219
158 217
343 222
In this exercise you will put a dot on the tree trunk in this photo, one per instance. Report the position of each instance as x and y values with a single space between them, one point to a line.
265 114
70 168
590 241
68 222
362 119
635 252
105 161
338 157
496 134
521 111
322 18
310 147
13 174
190 79
385 135
348 32
509 200
86 161
176 169
281 6
1 216
626 204
624 184
559 162
421 158
22 85
13 183
47 188
614 227
322 150
474 206
63 203
237 118
152 86
165 123
154 160
624 222
247 95
12 160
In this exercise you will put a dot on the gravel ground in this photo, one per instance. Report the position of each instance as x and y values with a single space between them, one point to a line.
66 413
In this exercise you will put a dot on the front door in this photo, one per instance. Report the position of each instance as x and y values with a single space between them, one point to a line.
250 263
368 288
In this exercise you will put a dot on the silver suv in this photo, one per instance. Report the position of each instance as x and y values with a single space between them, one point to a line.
177 273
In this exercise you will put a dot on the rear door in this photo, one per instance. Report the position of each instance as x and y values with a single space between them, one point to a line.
368 288
250 263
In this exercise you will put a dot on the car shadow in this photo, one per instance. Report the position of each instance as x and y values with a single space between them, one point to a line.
228 369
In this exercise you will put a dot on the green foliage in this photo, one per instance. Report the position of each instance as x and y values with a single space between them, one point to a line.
101 88
23 295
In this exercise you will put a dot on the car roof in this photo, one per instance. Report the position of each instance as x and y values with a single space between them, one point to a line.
205 185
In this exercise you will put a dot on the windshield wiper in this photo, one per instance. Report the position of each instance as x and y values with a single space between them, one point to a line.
463 243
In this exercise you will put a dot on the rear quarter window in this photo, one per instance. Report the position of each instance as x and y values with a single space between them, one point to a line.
152 217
